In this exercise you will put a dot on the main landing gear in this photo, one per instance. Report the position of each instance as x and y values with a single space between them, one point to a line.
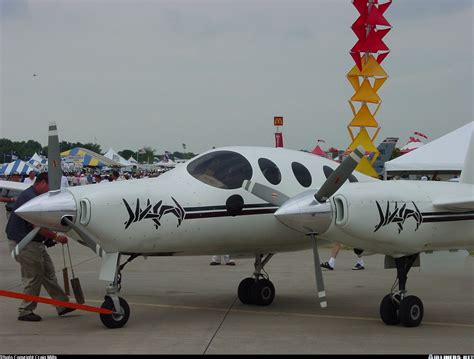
397 307
121 310
258 289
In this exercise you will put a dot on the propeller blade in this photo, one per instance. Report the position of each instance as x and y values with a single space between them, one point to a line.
26 239
268 194
340 175
88 238
318 274
54 159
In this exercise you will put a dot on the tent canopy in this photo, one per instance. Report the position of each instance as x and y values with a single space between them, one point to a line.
319 152
114 156
446 153
17 166
88 158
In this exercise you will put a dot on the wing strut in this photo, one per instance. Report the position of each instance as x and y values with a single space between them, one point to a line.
318 272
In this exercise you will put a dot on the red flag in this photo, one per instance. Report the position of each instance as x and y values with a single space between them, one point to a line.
278 139
421 134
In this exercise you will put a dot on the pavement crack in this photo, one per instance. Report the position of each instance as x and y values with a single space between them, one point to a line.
220 325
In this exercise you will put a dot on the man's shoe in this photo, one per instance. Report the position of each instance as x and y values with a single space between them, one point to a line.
327 266
358 266
214 263
66 310
31 317
230 264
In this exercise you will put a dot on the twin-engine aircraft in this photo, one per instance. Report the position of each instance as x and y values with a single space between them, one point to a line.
254 201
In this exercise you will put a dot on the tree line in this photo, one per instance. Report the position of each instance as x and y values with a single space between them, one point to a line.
24 150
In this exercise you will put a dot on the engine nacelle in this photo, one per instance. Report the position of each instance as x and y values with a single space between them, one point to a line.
398 216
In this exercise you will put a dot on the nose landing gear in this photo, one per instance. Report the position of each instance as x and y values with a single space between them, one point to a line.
258 289
113 302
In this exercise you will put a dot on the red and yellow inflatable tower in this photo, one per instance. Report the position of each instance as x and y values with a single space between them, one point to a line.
367 76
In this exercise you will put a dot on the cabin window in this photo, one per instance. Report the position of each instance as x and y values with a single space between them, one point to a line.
221 169
328 170
302 174
270 170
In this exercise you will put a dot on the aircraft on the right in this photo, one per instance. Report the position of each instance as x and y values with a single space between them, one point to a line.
400 219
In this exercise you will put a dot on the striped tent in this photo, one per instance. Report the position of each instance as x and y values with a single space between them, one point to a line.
88 158
17 166
38 162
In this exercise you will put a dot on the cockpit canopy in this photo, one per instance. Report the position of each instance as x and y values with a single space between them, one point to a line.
221 169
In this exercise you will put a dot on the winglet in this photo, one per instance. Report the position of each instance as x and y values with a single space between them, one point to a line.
467 174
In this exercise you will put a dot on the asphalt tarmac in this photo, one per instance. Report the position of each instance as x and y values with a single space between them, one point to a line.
184 305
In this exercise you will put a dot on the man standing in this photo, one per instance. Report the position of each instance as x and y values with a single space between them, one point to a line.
216 260
31 178
37 269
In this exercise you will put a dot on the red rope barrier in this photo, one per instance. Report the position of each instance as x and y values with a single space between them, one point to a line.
59 303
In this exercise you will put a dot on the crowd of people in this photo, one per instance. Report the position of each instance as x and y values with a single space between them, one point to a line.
88 176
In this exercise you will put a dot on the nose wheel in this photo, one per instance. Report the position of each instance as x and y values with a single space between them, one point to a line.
119 306
257 290
119 317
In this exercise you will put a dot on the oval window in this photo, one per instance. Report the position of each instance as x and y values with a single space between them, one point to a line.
302 174
270 170
328 170
221 169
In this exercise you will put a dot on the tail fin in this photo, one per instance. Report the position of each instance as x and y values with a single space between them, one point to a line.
467 174
386 149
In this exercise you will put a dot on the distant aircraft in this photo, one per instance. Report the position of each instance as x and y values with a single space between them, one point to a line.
386 149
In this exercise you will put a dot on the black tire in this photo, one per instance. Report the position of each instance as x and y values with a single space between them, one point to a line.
389 311
411 311
114 321
263 292
245 291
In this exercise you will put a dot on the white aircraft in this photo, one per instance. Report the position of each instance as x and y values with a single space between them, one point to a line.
400 219
234 200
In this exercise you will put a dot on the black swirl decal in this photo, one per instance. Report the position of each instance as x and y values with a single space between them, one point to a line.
155 213
398 216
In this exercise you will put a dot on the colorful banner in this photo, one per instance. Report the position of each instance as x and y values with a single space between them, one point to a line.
367 76
278 139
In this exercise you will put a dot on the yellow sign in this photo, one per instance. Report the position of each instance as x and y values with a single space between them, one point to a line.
277 121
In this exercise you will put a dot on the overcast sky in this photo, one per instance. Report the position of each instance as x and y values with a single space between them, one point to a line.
127 74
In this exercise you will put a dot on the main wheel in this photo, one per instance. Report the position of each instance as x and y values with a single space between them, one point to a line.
389 311
115 320
411 311
245 290
263 292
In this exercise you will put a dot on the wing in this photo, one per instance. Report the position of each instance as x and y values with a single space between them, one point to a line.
14 186
461 202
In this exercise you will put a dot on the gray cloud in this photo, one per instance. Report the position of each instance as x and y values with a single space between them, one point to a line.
213 73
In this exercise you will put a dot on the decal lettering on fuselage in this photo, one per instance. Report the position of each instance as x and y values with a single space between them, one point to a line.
398 216
155 213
